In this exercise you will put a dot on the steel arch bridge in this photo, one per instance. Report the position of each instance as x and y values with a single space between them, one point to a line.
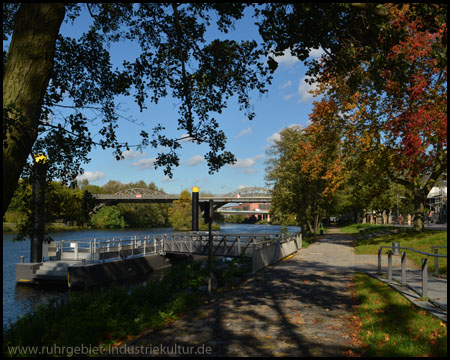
145 196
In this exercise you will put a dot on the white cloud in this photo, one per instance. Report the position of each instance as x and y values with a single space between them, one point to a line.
196 159
316 53
287 59
247 162
288 97
92 176
286 84
273 138
166 179
304 90
144 163
130 154
244 132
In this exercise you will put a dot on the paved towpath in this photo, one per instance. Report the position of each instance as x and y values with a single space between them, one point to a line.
296 308
299 307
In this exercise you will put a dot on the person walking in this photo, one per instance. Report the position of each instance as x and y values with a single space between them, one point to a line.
430 216
400 219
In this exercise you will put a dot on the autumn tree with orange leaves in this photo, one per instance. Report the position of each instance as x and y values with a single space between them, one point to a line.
390 109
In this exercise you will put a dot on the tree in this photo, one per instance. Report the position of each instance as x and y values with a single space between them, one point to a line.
180 214
299 186
387 78
108 217
393 120
26 76
175 60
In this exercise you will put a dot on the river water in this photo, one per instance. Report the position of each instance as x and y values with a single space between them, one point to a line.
20 299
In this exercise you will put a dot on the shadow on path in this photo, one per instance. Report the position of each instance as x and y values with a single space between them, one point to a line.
298 307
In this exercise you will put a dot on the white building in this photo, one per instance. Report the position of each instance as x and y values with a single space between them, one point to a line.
437 201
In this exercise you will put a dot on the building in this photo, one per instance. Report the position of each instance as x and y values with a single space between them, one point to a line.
437 202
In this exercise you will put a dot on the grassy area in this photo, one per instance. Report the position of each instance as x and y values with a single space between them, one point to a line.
366 244
100 318
392 326
356 228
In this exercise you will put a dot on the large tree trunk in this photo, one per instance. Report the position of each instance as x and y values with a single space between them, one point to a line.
27 73
420 197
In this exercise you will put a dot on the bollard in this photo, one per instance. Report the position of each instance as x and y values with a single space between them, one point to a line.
404 268
22 259
424 278
390 265
395 248
379 261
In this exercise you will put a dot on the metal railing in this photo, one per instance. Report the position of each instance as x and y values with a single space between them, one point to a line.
222 245
102 249
424 268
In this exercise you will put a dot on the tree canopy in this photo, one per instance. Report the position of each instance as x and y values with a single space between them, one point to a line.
382 77
175 60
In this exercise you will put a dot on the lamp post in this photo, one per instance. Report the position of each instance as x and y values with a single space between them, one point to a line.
38 207
195 208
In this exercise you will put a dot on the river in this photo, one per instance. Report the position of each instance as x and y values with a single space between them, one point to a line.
21 299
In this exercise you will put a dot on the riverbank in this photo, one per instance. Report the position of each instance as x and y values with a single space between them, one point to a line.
102 318
19 300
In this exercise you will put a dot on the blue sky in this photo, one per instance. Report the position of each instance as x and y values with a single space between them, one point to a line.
287 102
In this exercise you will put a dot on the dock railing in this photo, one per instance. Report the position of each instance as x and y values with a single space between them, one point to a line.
101 249
395 248
228 245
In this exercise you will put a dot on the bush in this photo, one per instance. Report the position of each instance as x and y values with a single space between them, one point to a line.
108 217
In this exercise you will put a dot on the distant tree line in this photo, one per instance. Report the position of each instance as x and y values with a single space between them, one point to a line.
73 206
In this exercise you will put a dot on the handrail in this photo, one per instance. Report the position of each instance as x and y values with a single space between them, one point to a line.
417 251
403 264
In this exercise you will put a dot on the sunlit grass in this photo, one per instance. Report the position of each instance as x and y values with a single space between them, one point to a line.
392 326
368 243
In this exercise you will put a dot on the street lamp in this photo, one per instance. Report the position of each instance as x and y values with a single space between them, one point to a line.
38 207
